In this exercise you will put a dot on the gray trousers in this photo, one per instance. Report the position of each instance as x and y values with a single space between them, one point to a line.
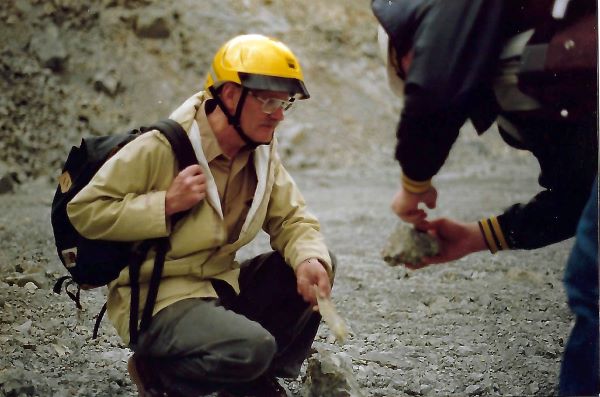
197 346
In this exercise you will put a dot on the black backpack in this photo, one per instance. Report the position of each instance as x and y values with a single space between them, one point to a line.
94 263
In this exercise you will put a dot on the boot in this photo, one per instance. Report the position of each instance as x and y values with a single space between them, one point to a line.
148 385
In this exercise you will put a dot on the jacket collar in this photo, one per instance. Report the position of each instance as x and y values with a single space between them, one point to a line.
186 116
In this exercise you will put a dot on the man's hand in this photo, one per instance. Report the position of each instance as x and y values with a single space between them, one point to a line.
456 240
406 206
187 189
312 272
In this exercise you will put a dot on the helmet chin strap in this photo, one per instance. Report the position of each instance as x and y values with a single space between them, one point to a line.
236 119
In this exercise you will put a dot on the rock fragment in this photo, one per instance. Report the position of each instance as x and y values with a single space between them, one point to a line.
408 245
38 280
49 49
107 82
330 375
7 184
152 25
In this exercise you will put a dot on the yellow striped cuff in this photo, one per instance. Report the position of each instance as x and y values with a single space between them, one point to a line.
416 187
498 233
492 233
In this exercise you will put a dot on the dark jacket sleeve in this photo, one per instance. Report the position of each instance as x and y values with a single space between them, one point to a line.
568 158
455 50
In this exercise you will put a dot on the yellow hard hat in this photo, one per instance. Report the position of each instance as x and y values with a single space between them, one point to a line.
257 62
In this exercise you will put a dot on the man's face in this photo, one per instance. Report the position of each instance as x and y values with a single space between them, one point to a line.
260 116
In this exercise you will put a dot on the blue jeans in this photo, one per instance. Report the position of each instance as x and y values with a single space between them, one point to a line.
579 371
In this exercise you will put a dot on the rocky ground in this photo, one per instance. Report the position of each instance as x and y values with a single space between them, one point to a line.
484 325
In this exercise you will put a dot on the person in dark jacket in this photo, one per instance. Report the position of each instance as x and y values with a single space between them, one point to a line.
470 60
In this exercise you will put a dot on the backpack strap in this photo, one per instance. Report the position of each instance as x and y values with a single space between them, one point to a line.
185 155
67 281
98 320
182 147
138 254
162 247
179 140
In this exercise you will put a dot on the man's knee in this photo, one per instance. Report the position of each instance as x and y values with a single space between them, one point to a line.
253 356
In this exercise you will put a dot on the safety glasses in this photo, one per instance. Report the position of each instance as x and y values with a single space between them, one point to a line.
271 105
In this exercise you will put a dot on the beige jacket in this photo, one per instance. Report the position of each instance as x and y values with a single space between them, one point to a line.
125 201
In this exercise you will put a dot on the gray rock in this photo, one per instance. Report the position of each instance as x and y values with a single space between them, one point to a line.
330 375
152 25
473 389
407 245
21 280
23 7
7 184
107 82
23 328
16 383
49 49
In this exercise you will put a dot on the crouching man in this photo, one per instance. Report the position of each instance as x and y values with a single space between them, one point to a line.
217 325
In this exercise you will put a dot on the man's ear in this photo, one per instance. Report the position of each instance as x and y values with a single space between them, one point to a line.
406 61
230 94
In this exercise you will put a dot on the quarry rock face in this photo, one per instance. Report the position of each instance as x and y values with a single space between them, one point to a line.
484 325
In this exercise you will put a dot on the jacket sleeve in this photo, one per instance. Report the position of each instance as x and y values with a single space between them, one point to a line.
546 219
455 48
125 200
568 157
294 232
